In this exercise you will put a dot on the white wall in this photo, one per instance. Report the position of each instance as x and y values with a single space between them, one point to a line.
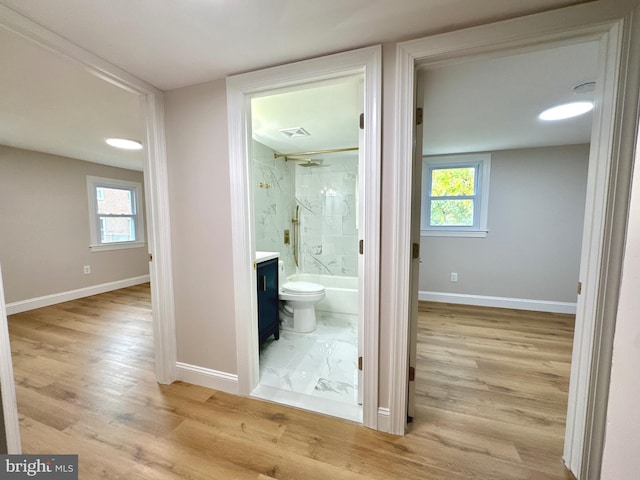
44 218
621 459
532 249
199 196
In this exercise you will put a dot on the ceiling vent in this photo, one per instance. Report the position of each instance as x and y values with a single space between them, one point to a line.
295 132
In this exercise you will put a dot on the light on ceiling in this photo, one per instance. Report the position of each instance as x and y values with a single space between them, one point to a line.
566 110
124 143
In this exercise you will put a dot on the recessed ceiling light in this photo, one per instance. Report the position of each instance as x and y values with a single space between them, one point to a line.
124 143
566 110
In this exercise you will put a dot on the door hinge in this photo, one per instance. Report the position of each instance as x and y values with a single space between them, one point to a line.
419 116
359 363
361 247
415 251
412 374
151 257
579 288
362 121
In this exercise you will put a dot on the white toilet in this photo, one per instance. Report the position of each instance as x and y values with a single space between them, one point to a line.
297 305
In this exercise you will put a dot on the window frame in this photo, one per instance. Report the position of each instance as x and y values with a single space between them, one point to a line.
482 164
96 244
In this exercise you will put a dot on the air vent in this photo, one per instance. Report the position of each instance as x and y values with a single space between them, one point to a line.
295 132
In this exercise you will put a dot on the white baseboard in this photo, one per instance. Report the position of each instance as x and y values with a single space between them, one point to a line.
384 420
46 300
499 302
205 377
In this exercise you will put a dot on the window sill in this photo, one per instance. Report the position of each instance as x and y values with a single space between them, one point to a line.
116 246
454 233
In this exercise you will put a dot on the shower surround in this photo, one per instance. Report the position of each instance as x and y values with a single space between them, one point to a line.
328 215
273 202
328 236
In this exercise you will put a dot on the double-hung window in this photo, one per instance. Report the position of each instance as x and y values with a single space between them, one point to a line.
455 195
115 213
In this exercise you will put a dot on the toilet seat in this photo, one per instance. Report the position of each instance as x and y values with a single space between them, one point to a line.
302 288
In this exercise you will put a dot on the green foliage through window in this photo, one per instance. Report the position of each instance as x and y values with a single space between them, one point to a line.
452 191
453 181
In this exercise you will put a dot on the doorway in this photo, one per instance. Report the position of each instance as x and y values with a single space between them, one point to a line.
304 162
241 90
148 101
587 24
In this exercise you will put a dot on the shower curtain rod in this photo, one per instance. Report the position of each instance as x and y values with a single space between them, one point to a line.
316 152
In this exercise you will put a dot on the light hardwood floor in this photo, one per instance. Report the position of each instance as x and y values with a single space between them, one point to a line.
491 398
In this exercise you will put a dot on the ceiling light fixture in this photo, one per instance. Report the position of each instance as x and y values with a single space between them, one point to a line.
566 110
124 143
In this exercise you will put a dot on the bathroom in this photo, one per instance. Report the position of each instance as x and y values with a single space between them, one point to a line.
306 210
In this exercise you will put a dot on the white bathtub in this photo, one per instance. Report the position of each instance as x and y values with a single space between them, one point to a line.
341 292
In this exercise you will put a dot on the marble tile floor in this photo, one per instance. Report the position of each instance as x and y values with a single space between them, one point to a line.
315 371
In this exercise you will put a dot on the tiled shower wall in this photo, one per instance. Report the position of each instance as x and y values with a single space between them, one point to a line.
328 211
274 202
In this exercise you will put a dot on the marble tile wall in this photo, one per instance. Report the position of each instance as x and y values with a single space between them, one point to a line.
274 202
328 211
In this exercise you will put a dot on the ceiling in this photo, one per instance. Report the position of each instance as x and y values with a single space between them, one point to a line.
51 104
328 111
493 104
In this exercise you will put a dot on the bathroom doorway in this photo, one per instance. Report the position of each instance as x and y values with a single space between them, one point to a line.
352 204
304 170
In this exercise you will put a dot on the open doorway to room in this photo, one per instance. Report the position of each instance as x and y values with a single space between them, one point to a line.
607 189
503 202
57 112
330 204
304 153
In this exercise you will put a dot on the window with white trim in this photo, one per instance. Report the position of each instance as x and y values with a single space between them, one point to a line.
455 195
115 213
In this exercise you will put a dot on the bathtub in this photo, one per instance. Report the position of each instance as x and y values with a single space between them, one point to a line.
341 292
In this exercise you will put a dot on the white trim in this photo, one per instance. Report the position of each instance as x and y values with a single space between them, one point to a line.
7 384
589 21
240 88
55 298
384 419
155 178
117 246
499 302
454 233
206 377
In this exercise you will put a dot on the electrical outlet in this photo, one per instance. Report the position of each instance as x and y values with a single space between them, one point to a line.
454 277
86 269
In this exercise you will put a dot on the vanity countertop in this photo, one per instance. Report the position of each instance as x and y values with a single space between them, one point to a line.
264 256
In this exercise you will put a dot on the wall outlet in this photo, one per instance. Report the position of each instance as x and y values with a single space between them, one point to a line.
454 277
86 269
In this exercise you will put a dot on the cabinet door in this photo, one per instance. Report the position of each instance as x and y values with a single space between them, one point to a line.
268 321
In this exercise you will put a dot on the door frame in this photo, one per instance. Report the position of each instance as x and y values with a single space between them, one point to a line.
156 184
613 23
240 89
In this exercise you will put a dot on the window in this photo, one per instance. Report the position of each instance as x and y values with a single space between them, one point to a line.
455 194
115 208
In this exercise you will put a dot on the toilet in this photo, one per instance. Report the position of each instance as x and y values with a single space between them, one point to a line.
298 305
